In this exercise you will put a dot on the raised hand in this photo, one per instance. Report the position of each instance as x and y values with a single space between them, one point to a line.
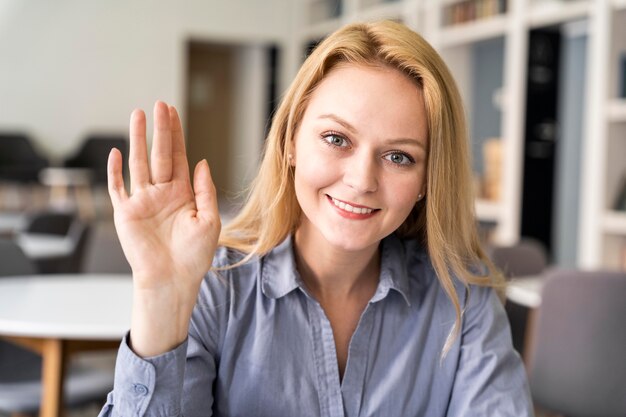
168 230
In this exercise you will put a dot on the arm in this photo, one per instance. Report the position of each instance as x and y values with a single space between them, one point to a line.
168 231
172 384
490 378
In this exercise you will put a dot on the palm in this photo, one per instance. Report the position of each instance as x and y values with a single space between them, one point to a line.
168 232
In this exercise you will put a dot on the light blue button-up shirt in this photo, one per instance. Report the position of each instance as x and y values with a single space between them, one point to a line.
260 345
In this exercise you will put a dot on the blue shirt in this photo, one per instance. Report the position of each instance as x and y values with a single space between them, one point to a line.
260 345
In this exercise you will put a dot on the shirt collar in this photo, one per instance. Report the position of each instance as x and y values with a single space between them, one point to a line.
279 275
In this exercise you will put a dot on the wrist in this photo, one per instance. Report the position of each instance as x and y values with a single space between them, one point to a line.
159 322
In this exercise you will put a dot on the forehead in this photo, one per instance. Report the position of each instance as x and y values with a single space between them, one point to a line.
376 98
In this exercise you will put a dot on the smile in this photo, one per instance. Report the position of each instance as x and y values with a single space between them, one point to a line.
351 208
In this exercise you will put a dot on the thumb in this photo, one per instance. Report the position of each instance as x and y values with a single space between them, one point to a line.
204 189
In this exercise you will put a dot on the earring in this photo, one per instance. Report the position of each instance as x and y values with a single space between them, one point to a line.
419 196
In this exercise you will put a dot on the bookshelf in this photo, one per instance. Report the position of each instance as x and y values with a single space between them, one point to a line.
602 230
603 237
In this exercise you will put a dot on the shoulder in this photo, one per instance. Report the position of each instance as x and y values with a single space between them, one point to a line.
425 283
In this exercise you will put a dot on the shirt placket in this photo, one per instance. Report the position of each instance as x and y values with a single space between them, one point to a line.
325 356
356 366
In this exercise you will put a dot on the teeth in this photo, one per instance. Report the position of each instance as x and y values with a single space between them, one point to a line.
350 209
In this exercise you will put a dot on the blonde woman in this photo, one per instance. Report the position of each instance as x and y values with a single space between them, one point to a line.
350 284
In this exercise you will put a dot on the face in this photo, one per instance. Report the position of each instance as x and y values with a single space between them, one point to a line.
359 156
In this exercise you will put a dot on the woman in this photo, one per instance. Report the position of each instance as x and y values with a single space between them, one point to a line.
351 283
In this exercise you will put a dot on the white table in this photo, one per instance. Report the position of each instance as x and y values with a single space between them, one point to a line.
526 291
40 246
57 315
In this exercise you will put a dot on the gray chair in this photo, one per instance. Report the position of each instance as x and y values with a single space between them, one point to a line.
78 233
13 261
526 257
20 369
578 362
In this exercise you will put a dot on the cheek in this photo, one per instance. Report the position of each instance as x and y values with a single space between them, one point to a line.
402 193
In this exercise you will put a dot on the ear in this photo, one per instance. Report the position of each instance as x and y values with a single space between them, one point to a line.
291 155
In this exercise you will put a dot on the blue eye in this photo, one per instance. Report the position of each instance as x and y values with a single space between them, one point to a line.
335 140
399 158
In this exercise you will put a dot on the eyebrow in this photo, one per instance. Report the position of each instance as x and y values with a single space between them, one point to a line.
352 129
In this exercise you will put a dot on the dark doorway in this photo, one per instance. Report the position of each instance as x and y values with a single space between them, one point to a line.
210 102
541 135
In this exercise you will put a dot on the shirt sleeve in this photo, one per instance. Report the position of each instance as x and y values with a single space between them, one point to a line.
490 378
146 386
176 383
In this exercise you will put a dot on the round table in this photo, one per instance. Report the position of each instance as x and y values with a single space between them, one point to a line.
57 315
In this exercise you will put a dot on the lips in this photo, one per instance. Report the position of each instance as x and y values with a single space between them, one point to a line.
351 208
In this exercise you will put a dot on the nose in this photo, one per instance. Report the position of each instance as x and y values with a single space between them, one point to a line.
361 173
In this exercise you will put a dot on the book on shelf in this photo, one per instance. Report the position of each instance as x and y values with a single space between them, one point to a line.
470 10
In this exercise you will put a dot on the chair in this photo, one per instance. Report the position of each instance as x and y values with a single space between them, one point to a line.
50 222
79 233
94 153
20 369
526 257
19 161
578 363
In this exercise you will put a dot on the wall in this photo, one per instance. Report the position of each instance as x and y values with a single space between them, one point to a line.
70 67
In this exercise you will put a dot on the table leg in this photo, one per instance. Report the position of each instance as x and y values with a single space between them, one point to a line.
529 337
54 358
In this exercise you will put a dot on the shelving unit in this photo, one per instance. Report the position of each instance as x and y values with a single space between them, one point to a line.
603 237
602 231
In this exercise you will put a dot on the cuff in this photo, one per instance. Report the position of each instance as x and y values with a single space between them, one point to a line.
149 386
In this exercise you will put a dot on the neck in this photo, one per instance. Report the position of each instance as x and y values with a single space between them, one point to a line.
333 273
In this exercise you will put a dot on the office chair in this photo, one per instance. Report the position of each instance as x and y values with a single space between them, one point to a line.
50 222
94 154
20 369
578 362
19 161
526 257
79 233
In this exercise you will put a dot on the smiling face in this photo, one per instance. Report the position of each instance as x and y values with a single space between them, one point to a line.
359 157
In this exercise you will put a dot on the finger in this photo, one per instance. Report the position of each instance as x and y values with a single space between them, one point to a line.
206 199
138 154
115 180
161 156
179 154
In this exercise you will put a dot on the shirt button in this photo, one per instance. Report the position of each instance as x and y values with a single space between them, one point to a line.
140 389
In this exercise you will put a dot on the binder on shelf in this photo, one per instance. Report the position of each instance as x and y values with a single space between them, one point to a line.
620 201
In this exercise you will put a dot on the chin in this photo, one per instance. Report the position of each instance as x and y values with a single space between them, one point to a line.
351 242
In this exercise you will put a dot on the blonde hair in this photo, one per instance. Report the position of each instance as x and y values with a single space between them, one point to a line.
443 221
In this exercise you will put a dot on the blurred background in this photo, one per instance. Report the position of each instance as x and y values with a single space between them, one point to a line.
543 81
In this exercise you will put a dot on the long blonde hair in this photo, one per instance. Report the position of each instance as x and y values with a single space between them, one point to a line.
443 221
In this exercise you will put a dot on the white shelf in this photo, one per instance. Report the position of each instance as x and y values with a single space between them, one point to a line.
389 10
616 110
554 12
466 33
614 222
488 210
